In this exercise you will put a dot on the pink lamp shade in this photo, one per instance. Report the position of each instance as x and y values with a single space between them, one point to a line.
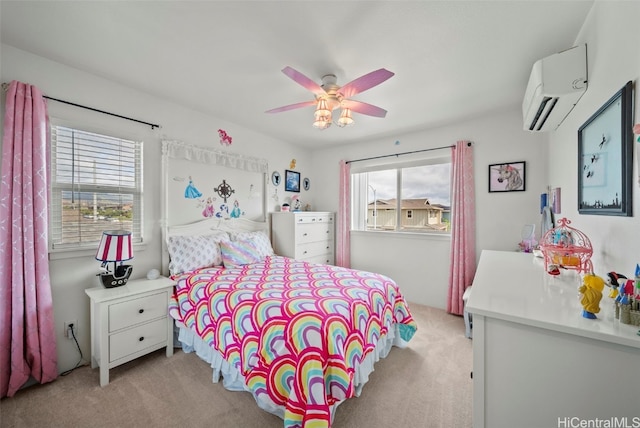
115 246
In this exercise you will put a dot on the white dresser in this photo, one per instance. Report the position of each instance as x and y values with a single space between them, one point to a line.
536 361
128 322
304 235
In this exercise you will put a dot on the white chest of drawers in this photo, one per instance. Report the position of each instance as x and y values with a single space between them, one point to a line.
128 322
307 236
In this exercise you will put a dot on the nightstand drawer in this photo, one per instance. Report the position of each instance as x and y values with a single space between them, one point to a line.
137 311
136 339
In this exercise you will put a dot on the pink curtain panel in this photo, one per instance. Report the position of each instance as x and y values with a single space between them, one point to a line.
27 336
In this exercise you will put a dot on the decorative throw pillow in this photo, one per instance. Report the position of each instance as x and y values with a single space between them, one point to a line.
259 238
239 253
189 253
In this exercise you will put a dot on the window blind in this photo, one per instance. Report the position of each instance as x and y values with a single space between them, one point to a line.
96 185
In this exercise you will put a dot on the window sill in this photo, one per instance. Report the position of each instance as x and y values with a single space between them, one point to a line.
407 235
73 253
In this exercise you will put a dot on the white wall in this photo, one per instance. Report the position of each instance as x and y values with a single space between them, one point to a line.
70 276
612 35
420 264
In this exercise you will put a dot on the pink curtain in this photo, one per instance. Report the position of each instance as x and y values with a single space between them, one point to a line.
463 226
27 333
343 239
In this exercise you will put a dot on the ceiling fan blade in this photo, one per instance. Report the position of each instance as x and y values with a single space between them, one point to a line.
365 82
291 107
364 108
304 81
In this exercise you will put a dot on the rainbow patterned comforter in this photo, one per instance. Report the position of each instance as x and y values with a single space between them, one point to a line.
296 331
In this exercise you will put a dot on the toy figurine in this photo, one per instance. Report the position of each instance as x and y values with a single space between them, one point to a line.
637 295
591 289
553 270
612 281
296 203
625 292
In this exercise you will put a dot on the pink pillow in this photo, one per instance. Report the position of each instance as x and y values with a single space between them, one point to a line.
239 253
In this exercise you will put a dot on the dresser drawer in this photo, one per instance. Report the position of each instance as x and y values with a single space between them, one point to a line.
312 249
137 311
130 341
314 218
324 259
314 232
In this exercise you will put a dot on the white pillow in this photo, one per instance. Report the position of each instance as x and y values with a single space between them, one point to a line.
260 240
191 252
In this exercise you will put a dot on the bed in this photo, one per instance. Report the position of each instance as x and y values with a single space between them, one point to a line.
300 337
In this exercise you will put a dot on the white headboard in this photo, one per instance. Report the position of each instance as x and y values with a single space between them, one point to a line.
192 201
208 226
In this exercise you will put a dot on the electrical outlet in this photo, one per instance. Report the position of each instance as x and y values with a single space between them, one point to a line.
67 329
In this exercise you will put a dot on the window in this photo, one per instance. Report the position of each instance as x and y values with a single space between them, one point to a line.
96 185
409 196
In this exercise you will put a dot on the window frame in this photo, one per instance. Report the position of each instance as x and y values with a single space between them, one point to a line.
56 187
359 194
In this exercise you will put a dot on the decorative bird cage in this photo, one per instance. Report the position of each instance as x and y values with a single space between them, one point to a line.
567 247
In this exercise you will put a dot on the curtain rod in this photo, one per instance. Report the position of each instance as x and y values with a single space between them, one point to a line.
404 153
5 87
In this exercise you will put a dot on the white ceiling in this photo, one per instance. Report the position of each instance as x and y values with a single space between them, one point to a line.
451 59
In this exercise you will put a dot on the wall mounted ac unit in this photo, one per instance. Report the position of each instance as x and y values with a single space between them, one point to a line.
556 84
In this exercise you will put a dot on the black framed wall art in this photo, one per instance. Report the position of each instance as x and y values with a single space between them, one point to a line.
605 158
507 177
291 181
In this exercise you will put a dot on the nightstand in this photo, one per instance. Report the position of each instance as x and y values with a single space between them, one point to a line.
128 322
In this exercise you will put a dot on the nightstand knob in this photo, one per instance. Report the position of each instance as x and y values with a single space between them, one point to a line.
140 311
141 339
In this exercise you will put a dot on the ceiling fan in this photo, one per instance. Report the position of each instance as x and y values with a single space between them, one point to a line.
329 96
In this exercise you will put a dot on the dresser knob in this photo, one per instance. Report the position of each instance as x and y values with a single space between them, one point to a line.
304 234
140 311
141 339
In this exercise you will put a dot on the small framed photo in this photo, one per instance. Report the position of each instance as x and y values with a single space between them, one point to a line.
291 181
507 177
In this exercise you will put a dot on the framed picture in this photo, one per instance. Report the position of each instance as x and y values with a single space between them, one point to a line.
507 177
275 178
605 158
291 181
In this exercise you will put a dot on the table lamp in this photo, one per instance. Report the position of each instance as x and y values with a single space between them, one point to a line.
115 246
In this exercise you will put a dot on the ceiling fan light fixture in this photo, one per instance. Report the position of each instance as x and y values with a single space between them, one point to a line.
345 118
329 96
322 109
322 122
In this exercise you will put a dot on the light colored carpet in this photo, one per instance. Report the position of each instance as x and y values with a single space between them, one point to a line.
427 384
